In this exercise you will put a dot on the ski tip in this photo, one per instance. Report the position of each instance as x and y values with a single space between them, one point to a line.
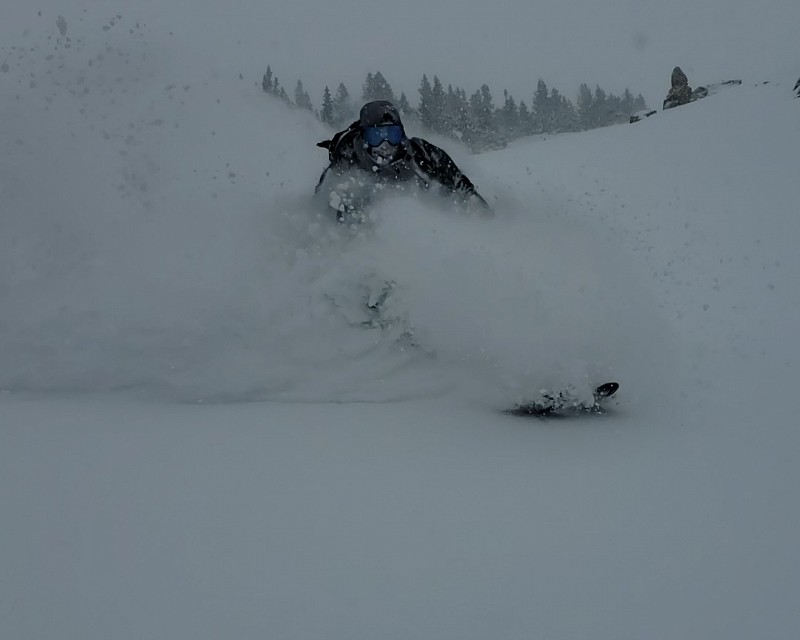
561 406
606 390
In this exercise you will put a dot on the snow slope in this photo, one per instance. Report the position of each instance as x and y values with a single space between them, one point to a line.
199 439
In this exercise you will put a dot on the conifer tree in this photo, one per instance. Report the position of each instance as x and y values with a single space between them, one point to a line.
266 82
404 107
475 121
283 95
556 107
460 116
482 110
384 88
542 109
487 107
424 110
585 100
509 115
526 125
475 104
279 91
301 97
453 117
627 100
563 114
567 116
326 112
599 108
613 110
438 107
377 88
366 88
343 109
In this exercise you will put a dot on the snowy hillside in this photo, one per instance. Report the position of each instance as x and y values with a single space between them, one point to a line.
201 438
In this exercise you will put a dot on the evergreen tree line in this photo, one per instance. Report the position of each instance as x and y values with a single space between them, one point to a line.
475 119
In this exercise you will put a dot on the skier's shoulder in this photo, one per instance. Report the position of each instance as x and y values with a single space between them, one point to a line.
436 163
421 145
427 152
342 145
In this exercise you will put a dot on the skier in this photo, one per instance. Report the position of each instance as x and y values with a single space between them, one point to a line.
374 152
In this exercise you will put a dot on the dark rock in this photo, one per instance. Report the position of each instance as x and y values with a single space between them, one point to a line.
680 93
641 115
797 88
711 89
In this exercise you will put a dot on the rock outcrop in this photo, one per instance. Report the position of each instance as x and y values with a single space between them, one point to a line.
641 115
680 92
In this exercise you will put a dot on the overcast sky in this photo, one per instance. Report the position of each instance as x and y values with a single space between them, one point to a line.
505 43
510 43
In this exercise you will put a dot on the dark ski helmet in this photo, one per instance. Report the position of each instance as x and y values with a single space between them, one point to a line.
383 131
379 113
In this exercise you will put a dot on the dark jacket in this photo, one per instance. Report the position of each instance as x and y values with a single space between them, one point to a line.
418 160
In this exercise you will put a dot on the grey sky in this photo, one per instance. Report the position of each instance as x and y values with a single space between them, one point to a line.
505 43
510 43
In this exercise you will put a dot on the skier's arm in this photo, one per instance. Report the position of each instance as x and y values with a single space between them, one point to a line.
341 151
438 165
341 154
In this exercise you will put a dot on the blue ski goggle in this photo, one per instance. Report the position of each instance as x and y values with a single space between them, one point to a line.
392 133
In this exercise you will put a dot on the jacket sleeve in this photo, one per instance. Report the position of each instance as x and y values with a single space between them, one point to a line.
341 149
439 166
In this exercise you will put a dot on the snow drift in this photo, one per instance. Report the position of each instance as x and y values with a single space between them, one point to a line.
158 239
